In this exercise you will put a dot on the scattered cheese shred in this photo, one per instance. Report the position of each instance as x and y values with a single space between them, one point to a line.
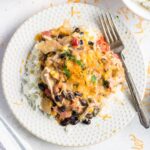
74 12
105 117
17 103
73 1
22 61
139 25
20 70
138 144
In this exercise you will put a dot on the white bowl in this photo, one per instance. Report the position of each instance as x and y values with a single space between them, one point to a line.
137 8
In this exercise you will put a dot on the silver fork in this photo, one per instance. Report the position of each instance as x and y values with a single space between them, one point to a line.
111 35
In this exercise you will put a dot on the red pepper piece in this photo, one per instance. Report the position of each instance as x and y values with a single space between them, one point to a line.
75 42
46 33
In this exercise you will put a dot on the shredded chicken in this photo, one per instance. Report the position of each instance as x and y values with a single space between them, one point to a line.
49 46
47 80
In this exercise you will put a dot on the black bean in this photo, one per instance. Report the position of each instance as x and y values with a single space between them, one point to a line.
77 30
86 121
60 36
77 93
74 120
58 98
65 122
81 42
62 109
42 86
70 96
62 55
106 83
74 113
90 43
81 33
89 116
83 102
96 111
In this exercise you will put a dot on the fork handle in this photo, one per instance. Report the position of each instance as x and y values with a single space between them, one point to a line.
141 110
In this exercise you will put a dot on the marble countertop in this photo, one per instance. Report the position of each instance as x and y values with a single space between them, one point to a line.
14 13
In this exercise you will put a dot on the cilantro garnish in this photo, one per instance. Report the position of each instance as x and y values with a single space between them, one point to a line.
66 71
93 78
71 57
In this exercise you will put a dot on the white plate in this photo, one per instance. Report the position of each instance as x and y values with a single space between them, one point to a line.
137 8
35 122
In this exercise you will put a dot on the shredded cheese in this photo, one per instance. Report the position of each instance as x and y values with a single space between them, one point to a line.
137 143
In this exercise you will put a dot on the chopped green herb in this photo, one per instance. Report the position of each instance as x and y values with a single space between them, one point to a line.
80 63
74 59
65 54
48 115
71 57
117 17
66 71
93 78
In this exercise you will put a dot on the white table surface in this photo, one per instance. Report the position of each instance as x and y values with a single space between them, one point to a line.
14 12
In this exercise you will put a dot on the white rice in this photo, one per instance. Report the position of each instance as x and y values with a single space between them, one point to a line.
30 79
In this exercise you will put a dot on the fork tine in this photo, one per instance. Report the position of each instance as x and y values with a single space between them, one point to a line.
108 27
113 27
111 30
101 21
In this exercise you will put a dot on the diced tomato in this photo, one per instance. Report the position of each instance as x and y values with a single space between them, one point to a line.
116 56
103 44
46 33
75 42
47 92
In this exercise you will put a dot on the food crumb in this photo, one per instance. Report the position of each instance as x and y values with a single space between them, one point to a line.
137 143
139 26
73 1
17 103
51 5
22 61
29 54
124 88
74 12
20 70
98 125
105 116
114 131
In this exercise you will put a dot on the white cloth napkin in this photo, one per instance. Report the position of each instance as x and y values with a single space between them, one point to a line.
9 139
